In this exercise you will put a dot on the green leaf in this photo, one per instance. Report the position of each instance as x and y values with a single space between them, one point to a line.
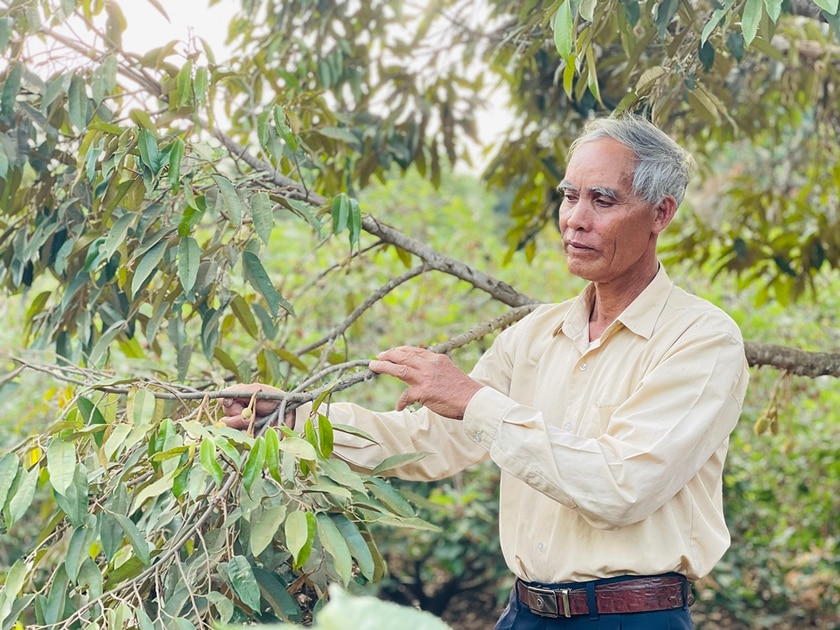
665 12
358 545
395 461
390 497
22 495
232 202
200 83
74 501
340 133
243 313
15 579
5 158
223 606
325 436
265 527
77 102
153 489
256 274
735 44
253 467
142 119
241 579
829 6
262 215
207 457
750 19
272 453
9 466
150 155
61 464
176 154
128 570
53 607
273 592
299 447
341 473
355 223
147 266
90 577
77 550
5 28
117 234
140 406
11 87
300 534
587 9
110 534
184 84
564 34
138 543
342 609
349 430
189 258
340 213
336 546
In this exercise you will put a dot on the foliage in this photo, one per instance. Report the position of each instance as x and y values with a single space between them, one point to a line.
171 521
431 569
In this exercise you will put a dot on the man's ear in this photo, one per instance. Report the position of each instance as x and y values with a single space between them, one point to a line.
665 211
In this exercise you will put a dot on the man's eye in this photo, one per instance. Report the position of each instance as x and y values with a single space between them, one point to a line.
604 203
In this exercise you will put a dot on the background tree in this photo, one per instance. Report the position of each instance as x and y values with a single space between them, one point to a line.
140 195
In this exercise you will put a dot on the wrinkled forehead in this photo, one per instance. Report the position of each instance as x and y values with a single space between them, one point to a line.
602 163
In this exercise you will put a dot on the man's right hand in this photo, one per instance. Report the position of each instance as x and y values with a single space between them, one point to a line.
239 414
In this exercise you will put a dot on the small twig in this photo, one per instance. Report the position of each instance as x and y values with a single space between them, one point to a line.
374 297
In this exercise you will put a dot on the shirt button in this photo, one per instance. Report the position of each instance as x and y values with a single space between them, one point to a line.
540 546
478 436
582 367
568 426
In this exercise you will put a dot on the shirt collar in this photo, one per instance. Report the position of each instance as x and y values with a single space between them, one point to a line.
640 316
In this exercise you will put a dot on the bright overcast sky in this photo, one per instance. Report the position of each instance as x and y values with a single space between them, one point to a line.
147 28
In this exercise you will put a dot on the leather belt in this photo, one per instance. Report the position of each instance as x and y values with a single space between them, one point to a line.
643 594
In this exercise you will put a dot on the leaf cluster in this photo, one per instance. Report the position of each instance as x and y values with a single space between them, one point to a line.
160 519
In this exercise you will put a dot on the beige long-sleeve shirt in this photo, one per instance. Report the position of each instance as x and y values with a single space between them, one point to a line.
611 452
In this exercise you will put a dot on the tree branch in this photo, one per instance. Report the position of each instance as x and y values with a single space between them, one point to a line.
795 361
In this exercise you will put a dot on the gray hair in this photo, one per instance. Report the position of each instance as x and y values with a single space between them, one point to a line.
663 167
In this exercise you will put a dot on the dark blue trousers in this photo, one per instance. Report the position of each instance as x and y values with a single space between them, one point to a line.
518 616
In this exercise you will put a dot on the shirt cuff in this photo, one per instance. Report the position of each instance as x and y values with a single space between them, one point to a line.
484 414
301 414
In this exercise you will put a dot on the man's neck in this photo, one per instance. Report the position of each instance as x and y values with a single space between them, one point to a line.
610 301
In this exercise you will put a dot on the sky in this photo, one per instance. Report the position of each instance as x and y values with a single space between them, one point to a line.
147 28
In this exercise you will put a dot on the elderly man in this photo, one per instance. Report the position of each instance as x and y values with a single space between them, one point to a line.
609 414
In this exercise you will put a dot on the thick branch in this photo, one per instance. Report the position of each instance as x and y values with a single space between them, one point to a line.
793 360
499 290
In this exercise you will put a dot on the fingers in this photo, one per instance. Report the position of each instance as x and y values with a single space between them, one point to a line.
262 406
401 362
406 398
403 354
236 422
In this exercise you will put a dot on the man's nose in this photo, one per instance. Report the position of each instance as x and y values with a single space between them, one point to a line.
577 216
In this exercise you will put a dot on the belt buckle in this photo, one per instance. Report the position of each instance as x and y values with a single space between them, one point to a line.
545 602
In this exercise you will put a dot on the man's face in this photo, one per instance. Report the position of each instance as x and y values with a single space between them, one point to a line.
609 234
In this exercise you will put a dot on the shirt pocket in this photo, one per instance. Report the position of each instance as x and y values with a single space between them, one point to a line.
604 414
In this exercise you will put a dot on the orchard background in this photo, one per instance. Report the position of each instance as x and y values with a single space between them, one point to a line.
172 221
